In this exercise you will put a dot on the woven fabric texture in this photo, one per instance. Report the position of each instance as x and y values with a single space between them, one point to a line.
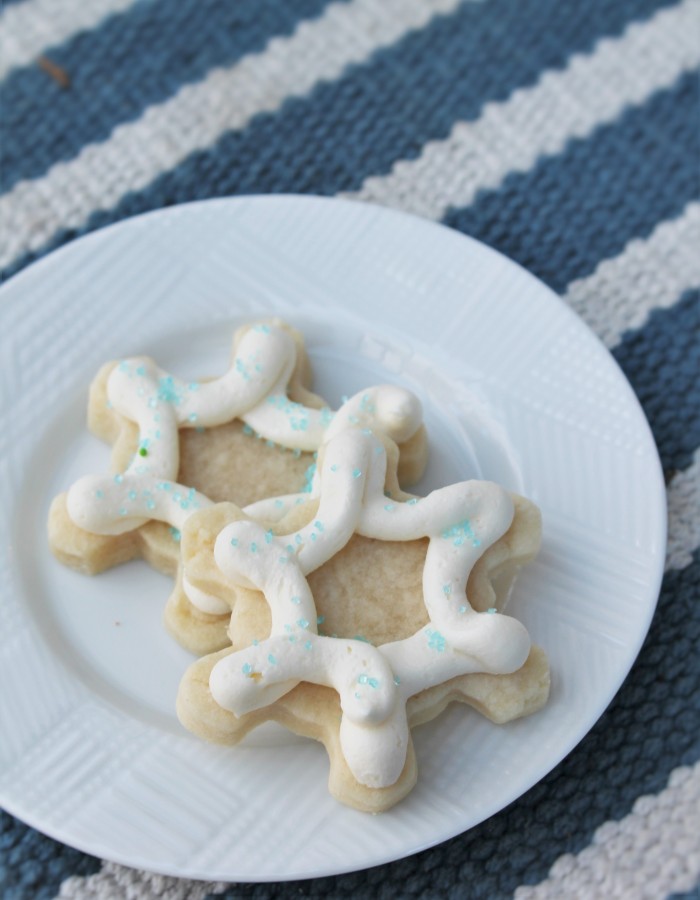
567 136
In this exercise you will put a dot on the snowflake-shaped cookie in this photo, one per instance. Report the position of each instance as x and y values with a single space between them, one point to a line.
173 436
293 672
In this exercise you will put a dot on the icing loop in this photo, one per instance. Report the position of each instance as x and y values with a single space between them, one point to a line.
461 522
254 390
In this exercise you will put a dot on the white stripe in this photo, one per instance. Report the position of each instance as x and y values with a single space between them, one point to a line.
511 135
648 274
651 853
114 881
683 518
193 119
29 28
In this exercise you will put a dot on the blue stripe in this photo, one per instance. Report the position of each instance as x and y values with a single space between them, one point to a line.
432 78
662 362
331 140
132 60
33 865
561 218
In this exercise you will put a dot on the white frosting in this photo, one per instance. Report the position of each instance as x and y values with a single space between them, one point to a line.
373 683
254 390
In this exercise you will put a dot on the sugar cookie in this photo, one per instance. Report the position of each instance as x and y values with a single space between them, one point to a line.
179 446
356 616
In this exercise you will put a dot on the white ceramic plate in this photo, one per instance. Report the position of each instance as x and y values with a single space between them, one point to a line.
515 389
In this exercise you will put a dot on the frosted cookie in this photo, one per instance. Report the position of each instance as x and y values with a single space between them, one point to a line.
357 616
179 446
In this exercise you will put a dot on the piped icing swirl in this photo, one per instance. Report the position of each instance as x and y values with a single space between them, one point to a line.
461 521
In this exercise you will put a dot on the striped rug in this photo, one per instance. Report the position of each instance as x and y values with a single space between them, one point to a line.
566 135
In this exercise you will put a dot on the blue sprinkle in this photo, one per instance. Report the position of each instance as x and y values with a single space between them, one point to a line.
175 534
132 495
436 641
308 479
366 404
247 429
192 417
168 391
279 504
289 548
141 371
334 467
313 536
447 589
356 473
397 680
296 452
271 659
246 668
262 329
234 542
463 609
303 623
151 504
413 501
308 645
491 610
122 511
119 478
320 620
99 494
296 600
253 547
268 536
241 369
373 683
193 386
388 506
362 679
298 539
318 524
